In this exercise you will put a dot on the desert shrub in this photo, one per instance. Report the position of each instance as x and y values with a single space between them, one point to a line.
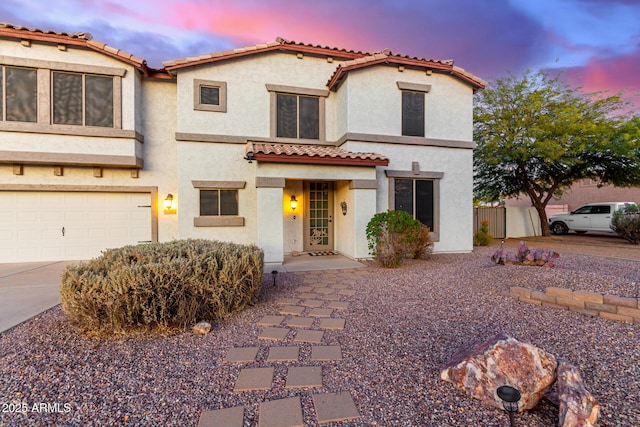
422 247
153 285
394 235
626 222
525 256
482 236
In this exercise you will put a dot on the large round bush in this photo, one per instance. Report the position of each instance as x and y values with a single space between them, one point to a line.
152 285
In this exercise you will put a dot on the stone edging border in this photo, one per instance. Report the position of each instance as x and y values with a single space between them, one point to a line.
612 307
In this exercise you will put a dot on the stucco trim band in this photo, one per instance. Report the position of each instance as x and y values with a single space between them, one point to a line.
269 182
414 87
218 221
405 140
363 184
27 157
219 184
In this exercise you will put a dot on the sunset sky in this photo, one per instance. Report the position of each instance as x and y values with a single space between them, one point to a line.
595 42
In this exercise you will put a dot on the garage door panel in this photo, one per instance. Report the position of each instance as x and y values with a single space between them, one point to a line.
32 224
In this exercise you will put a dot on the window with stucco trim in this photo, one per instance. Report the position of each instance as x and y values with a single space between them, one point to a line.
210 95
18 94
298 116
413 113
82 99
418 196
218 202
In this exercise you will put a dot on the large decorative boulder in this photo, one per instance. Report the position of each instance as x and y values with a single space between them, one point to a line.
578 407
479 369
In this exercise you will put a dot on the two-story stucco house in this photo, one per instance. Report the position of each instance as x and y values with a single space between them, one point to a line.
291 146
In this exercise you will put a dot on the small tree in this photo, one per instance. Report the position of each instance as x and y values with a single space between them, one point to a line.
536 135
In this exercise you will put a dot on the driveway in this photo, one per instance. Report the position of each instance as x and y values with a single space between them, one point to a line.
28 289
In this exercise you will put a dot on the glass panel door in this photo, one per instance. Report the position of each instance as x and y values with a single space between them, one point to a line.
318 230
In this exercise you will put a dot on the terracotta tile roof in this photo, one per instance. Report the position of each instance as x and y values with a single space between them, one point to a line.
280 44
312 154
388 58
81 39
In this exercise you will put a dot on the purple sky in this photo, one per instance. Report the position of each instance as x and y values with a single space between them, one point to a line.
596 43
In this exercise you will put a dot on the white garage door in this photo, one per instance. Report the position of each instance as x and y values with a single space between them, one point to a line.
52 226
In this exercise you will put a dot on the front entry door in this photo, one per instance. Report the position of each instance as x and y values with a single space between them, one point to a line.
318 218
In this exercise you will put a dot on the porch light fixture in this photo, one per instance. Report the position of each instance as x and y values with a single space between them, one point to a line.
294 204
168 201
510 397
249 157
343 205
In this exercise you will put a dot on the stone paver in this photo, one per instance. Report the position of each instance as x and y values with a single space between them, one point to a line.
304 288
288 301
333 324
271 321
331 297
241 354
313 303
273 333
308 295
338 305
300 322
321 312
326 352
229 417
304 377
332 407
343 285
306 335
254 379
292 309
283 354
281 413
324 291
347 292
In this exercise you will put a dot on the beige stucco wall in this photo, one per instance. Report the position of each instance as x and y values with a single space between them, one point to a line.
215 162
248 101
448 105
456 186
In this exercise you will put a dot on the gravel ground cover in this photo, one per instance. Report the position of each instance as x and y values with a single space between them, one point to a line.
402 325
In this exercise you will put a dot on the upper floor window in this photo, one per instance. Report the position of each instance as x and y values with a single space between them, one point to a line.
412 113
82 99
298 116
209 95
18 94
297 112
413 108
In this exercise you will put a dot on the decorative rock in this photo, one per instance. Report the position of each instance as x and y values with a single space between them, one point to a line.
481 368
578 408
202 328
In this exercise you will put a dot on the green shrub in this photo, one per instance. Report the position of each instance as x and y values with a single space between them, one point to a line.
626 222
155 285
394 235
482 236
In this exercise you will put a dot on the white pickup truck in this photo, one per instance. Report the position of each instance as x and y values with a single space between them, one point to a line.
591 217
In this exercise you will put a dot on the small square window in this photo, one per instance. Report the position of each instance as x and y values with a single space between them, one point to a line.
209 95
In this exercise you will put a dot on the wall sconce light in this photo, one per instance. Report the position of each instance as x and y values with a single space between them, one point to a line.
343 205
294 204
168 204
168 201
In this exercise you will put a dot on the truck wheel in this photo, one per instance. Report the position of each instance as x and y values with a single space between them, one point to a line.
559 228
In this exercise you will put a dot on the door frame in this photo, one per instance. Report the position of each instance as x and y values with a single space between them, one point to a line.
306 228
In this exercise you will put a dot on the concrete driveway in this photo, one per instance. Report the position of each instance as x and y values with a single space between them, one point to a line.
28 289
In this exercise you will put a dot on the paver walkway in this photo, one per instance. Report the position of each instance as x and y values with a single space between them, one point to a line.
319 305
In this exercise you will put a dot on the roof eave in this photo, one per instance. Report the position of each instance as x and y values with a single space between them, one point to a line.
318 160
